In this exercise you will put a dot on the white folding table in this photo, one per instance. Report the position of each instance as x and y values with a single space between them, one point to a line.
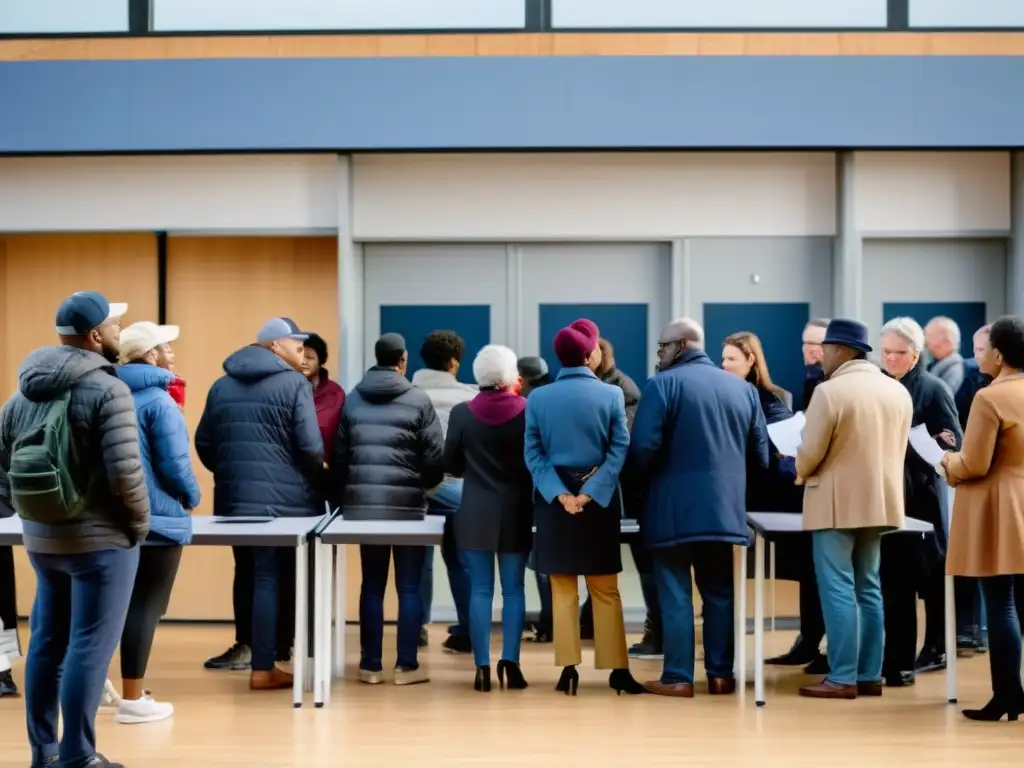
10 531
769 526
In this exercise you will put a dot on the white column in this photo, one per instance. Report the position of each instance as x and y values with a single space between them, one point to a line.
1015 257
848 264
682 294
350 284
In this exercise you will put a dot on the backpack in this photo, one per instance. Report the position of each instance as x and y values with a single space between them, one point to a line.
42 487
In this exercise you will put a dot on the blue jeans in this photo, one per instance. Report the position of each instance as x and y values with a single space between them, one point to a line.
1004 598
847 565
512 571
271 568
376 561
712 566
445 501
81 603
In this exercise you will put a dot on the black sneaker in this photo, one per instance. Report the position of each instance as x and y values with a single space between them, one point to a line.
238 657
424 638
50 762
899 679
457 644
648 648
801 653
930 660
99 761
819 666
7 686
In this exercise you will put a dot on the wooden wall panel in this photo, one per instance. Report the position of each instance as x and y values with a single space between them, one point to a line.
37 272
523 44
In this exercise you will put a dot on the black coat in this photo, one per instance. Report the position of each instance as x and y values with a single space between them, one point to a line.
813 376
774 489
630 392
388 450
259 437
484 446
974 382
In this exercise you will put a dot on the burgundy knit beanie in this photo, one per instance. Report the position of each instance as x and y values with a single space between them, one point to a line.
574 344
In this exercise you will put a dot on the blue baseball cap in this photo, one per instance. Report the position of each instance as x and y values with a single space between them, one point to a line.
280 328
80 312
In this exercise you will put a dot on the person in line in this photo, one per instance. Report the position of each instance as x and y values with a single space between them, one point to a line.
697 430
576 444
10 644
173 493
387 455
485 445
82 531
915 565
987 536
851 466
328 396
971 622
259 437
775 490
942 336
533 372
442 353
813 333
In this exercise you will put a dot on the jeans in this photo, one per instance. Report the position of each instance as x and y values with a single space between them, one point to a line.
270 566
712 566
376 561
76 622
445 501
1004 601
847 565
512 572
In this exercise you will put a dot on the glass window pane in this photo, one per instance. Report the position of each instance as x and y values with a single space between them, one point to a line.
212 15
62 16
963 14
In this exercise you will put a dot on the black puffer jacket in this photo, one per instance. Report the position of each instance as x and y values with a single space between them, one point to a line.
259 437
388 450
105 438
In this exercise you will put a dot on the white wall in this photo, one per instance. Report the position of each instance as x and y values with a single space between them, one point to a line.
966 13
621 196
63 16
721 13
932 193
267 193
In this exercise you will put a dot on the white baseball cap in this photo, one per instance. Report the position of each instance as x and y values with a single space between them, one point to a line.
138 338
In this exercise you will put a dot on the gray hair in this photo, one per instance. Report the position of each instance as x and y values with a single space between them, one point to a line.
907 328
686 329
818 322
948 326
495 366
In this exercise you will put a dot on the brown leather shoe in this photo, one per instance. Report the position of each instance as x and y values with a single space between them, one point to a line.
679 690
870 689
721 686
272 680
826 689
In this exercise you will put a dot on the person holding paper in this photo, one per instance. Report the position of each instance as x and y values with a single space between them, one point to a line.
851 464
987 535
774 490
912 566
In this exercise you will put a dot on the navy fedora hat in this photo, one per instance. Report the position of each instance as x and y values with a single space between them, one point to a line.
847 333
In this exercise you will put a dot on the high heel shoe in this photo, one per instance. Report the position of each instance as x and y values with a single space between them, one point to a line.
516 681
569 681
994 711
622 681
482 682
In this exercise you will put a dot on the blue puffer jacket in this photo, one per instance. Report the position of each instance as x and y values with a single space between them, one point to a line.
260 438
163 443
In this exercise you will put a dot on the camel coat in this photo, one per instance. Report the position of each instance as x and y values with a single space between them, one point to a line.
987 533
854 445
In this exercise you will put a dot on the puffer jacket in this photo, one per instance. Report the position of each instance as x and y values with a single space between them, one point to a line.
164 444
388 451
259 437
106 458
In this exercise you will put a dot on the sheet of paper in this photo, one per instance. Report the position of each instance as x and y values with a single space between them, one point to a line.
925 445
787 435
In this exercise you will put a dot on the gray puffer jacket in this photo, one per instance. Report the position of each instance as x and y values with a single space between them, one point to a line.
106 451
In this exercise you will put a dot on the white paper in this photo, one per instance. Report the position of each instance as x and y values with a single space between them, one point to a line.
787 435
925 445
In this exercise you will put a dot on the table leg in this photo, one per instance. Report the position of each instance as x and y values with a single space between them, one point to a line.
301 620
340 608
759 620
326 645
771 576
950 642
741 620
319 662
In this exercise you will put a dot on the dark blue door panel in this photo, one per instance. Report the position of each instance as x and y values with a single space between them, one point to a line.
414 322
969 315
778 325
624 325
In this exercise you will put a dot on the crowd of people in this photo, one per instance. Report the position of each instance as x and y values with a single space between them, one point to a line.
95 458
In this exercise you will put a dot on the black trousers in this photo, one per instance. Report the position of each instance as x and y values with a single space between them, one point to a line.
242 599
8 594
903 573
154 580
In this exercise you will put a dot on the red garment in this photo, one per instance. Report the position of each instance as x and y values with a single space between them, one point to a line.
176 389
329 398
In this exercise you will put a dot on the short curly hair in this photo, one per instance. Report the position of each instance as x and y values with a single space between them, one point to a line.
1007 336
440 348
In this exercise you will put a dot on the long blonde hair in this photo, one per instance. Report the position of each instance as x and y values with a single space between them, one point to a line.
748 343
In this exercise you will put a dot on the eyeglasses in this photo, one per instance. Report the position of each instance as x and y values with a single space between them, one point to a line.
663 344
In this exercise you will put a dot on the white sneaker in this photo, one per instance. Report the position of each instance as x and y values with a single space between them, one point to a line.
111 698
144 710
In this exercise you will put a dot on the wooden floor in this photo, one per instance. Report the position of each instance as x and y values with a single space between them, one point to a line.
218 722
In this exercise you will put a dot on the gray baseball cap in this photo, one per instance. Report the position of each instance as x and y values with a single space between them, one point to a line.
280 328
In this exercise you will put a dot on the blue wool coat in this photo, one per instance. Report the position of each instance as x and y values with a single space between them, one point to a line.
164 446
696 431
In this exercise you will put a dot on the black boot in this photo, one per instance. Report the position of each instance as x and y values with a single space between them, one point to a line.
622 681
516 681
568 681
482 682
7 686
801 653
994 711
